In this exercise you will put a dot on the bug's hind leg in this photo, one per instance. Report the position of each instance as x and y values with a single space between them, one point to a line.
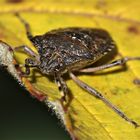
113 64
101 97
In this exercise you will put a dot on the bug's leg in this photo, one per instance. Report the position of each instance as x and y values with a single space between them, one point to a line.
62 86
27 26
114 63
27 50
101 97
29 62
27 69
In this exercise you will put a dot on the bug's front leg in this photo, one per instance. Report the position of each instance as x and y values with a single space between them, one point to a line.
101 97
29 62
28 51
62 86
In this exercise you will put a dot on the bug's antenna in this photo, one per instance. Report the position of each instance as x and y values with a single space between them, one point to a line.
27 26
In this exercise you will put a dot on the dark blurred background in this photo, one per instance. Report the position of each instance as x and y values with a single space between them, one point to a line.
23 117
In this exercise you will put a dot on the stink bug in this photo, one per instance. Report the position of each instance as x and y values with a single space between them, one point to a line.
70 50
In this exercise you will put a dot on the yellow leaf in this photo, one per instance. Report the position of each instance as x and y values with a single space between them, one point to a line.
87 118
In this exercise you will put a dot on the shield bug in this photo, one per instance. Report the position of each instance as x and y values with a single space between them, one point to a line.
69 50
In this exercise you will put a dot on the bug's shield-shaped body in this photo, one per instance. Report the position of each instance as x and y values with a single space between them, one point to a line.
71 48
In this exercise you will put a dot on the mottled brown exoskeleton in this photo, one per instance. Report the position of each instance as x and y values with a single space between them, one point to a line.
69 50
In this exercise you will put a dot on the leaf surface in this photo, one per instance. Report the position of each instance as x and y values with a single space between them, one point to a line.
86 117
